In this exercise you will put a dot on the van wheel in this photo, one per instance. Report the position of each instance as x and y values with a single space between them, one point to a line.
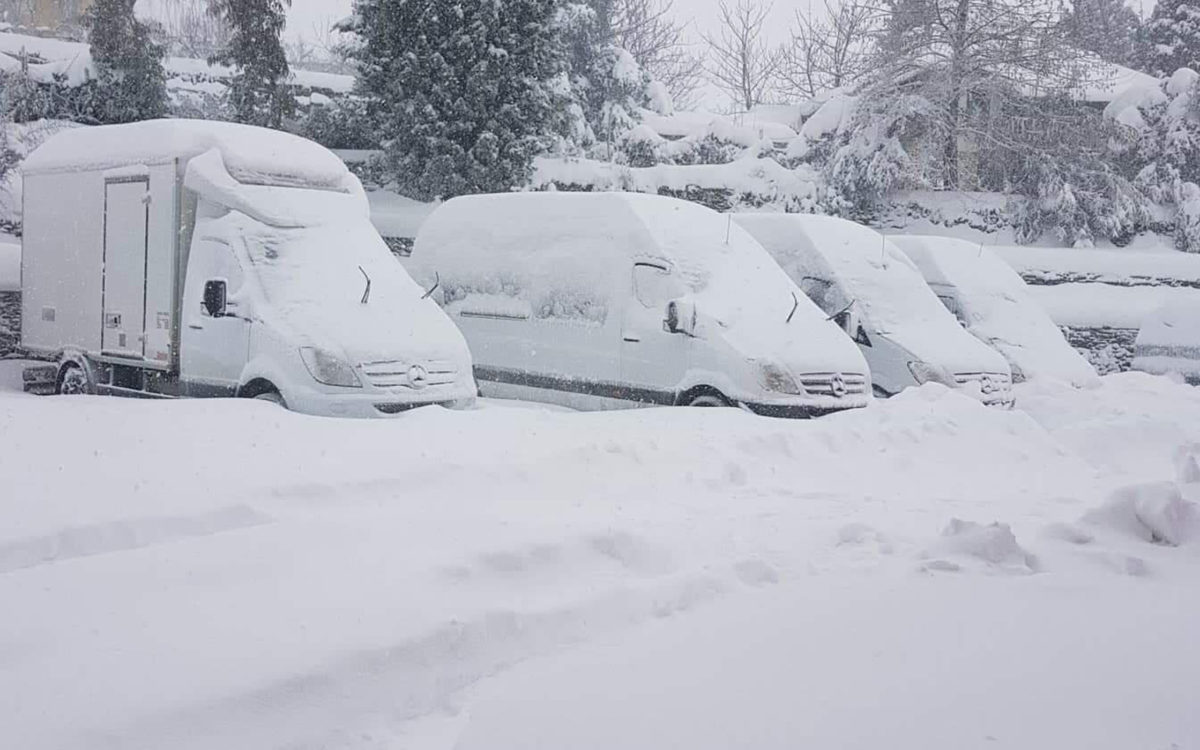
879 392
72 381
273 397
707 397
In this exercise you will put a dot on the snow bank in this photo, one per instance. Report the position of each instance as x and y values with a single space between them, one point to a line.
1084 305
1154 512
1118 267
218 573
252 155
1169 339
997 307
760 178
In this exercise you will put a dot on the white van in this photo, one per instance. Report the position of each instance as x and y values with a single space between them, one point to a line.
874 291
607 300
190 258
1168 343
991 301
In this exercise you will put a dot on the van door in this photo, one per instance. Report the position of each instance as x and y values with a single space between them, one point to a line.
216 334
126 217
653 360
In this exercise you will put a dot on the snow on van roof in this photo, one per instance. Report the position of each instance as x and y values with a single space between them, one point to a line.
997 307
879 278
252 155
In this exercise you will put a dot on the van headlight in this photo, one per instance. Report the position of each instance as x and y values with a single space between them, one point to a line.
923 372
328 369
775 378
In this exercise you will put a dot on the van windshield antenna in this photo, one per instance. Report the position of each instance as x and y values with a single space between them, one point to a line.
795 304
366 292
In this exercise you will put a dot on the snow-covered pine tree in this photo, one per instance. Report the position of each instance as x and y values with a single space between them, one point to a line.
1107 28
131 84
605 81
462 89
258 91
1172 37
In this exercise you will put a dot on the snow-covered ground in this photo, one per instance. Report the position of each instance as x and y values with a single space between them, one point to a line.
923 573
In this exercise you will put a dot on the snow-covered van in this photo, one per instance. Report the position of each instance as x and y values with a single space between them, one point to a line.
606 300
990 300
1169 341
863 281
189 258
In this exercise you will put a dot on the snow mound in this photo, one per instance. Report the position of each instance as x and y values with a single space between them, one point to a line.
1169 339
1154 512
994 544
1187 463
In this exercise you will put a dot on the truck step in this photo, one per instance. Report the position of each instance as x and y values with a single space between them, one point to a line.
40 379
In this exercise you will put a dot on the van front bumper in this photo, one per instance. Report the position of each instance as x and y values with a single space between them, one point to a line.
376 404
805 410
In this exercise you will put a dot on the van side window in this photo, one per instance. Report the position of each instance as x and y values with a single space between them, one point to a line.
653 285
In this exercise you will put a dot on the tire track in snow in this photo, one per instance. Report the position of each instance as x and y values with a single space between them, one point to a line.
425 674
123 535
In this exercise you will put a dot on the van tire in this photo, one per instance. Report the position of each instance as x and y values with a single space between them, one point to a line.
704 396
879 392
272 396
73 381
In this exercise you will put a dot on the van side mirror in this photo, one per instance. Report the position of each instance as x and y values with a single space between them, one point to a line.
214 298
681 317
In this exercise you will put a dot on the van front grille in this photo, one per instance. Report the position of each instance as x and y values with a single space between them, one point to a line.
411 375
988 382
827 383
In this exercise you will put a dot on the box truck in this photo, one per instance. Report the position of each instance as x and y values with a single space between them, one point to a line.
191 258
862 280
611 300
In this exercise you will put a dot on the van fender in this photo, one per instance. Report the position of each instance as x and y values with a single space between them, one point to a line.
261 375
710 383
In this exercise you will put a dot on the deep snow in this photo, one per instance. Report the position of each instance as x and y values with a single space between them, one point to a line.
924 573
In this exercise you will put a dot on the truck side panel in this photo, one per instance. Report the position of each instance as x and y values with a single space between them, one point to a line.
162 303
61 262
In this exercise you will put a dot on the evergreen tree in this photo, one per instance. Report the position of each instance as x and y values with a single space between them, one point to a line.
258 91
1172 37
462 89
606 83
130 79
1107 28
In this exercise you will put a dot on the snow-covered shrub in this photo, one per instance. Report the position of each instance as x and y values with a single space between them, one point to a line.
1079 200
867 159
641 147
345 123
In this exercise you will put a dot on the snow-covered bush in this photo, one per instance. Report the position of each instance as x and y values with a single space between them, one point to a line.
345 123
1077 199
867 158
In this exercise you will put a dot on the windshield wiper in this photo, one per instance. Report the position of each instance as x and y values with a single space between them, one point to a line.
795 304
437 281
366 292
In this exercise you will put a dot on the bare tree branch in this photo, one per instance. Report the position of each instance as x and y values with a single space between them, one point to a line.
742 64
648 31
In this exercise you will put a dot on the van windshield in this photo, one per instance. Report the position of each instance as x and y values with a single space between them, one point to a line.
327 266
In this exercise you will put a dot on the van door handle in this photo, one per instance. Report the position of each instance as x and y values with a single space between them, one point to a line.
195 326
632 339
